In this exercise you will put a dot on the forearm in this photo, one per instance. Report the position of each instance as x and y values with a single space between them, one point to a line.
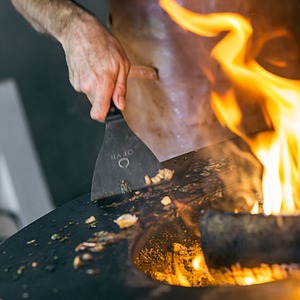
97 63
54 17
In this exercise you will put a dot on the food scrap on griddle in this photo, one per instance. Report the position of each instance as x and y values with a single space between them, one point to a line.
166 200
162 175
126 220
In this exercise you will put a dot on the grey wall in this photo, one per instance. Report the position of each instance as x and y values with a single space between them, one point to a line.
67 141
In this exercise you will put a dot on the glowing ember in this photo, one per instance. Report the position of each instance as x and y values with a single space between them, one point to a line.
279 99
198 262
183 266
186 266
237 275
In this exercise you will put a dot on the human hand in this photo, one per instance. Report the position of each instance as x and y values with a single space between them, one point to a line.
98 65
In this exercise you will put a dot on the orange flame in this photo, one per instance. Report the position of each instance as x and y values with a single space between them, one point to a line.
183 281
279 98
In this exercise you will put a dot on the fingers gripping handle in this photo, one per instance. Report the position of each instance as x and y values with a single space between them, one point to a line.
113 113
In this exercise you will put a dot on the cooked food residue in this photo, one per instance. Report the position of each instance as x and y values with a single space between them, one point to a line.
90 220
166 200
163 174
126 220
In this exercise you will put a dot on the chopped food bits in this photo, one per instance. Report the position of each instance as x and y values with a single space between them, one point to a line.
55 236
92 271
20 270
96 243
125 187
87 257
126 220
31 242
166 200
77 262
81 260
94 247
90 220
147 180
163 174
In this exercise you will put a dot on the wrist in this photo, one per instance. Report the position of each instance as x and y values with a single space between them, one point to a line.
70 21
75 24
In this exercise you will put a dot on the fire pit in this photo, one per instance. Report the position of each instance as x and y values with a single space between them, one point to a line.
236 247
51 258
86 250
239 248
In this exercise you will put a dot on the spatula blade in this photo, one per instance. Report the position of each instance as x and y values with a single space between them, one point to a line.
123 160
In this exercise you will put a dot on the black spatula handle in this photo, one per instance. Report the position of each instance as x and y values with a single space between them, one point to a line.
113 113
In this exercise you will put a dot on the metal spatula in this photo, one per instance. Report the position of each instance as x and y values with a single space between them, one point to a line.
123 161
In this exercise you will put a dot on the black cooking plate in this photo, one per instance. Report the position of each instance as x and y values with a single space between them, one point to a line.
37 262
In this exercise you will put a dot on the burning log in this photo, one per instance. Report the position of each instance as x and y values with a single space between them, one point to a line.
256 248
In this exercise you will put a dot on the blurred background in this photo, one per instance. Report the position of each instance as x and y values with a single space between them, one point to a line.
62 140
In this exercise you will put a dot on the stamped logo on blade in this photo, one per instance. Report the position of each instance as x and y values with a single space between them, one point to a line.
123 163
122 158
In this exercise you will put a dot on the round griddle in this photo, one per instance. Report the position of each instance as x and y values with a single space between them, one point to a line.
37 262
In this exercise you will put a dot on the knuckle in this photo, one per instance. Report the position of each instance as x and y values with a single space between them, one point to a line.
97 115
98 118
120 87
86 86
77 88
75 85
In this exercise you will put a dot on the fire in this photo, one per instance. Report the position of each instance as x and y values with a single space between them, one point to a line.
198 262
263 273
183 281
181 265
279 98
